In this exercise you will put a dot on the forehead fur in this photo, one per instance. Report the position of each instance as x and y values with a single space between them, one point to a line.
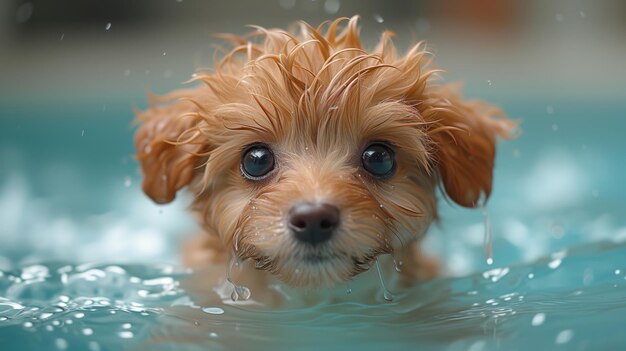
315 88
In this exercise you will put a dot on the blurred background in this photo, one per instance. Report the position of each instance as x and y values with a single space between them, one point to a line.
71 71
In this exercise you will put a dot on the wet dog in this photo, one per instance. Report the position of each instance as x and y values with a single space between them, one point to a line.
308 156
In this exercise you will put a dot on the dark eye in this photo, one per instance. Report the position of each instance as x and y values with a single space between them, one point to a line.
379 160
257 162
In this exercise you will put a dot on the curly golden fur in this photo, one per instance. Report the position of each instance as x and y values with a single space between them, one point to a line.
317 97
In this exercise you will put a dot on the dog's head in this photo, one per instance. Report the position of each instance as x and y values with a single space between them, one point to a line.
311 157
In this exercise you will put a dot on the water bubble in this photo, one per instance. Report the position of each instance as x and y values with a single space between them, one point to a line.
582 14
28 324
49 328
127 182
564 336
126 326
531 275
538 319
126 334
94 346
3 318
617 272
555 127
549 109
378 18
213 310
60 343
213 334
240 293
332 6
62 36
489 82
127 72
87 331
164 53
108 26
559 17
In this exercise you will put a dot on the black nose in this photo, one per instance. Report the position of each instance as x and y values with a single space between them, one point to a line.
313 223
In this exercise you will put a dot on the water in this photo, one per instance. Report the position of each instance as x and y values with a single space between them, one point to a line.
110 307
88 263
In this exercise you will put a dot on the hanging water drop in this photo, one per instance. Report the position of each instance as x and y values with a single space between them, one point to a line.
386 293
488 240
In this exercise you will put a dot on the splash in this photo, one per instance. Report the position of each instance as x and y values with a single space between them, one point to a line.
240 292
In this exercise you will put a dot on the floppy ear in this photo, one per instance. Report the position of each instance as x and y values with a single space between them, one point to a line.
167 147
464 136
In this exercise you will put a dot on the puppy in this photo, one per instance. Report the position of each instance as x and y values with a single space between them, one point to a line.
308 157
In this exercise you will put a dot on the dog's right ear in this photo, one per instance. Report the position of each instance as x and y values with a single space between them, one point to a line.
167 146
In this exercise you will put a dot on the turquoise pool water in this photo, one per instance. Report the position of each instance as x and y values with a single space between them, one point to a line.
87 263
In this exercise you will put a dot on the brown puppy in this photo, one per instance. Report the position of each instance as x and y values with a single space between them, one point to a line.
309 156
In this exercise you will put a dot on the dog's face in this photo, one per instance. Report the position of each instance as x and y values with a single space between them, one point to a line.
311 157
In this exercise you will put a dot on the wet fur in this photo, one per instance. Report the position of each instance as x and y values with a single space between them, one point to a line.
317 97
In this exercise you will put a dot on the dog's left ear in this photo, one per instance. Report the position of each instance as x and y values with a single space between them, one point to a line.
167 150
464 136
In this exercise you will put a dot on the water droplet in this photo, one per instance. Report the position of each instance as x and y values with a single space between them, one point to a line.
213 310
332 6
378 18
108 26
87 331
387 295
488 239
126 334
45 315
554 264
397 265
538 319
564 336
